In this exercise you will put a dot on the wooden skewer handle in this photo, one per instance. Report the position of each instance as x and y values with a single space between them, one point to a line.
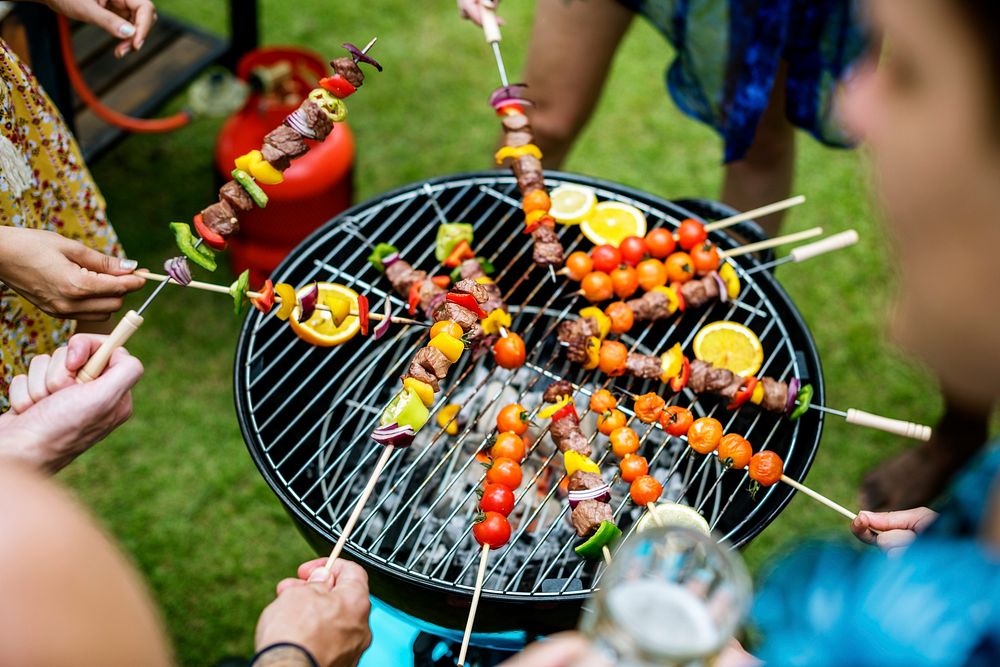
755 213
829 244
475 605
897 426
491 29
360 505
123 331
773 243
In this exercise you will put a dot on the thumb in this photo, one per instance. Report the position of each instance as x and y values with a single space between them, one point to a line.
113 24
98 262
323 577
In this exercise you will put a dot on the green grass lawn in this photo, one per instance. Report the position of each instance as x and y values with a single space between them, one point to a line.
176 486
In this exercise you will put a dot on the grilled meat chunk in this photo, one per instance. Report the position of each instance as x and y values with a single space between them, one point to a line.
496 299
699 376
650 306
718 379
528 170
460 315
578 330
517 139
643 366
584 481
561 428
730 390
470 286
347 68
428 293
547 254
418 372
281 146
433 360
516 122
700 291
555 391
588 515
316 119
236 196
220 218
775 395
576 441
471 268
403 276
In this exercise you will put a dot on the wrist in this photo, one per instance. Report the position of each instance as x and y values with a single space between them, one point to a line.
22 445
284 654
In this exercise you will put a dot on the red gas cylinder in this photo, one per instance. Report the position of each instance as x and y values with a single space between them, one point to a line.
317 186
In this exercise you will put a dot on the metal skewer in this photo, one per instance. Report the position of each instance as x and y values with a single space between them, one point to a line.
810 250
491 30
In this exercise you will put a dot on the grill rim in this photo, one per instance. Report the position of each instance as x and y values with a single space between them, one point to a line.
781 497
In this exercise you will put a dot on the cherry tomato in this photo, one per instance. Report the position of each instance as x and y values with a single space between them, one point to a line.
691 233
508 445
514 418
610 420
705 257
602 401
704 435
766 468
679 267
536 200
606 258
509 351
649 407
497 498
597 286
493 530
504 471
578 265
676 420
621 316
624 441
735 451
633 467
652 273
633 249
612 358
448 327
644 490
660 242
624 281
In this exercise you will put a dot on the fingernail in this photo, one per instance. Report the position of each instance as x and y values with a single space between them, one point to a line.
139 45
128 264
126 30
125 50
319 575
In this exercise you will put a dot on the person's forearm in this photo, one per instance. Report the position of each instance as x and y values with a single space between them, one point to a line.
283 655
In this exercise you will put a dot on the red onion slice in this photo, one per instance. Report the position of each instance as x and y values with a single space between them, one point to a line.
394 435
308 303
178 270
601 494
510 91
723 291
390 259
297 121
383 326
793 393
361 56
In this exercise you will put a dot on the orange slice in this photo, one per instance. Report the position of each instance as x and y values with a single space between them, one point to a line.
321 329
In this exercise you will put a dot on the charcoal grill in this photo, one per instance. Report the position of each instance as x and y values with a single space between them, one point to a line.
306 413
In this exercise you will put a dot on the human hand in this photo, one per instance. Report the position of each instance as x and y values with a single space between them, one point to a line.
896 529
734 655
64 277
473 10
567 649
324 611
52 418
129 20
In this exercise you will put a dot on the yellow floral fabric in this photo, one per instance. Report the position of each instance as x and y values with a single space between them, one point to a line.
61 197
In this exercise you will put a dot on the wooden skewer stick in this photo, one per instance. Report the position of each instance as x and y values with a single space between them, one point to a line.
756 213
652 513
222 289
360 505
773 243
823 500
607 554
475 605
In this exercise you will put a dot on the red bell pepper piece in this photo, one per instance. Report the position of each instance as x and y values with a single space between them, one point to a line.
680 381
413 300
511 108
337 85
441 281
211 238
744 393
265 302
681 303
459 254
467 301
567 410
363 313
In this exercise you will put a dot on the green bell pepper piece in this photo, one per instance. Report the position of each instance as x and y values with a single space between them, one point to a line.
332 105
201 255
405 410
449 235
246 180
381 251
593 548
487 267
802 401
238 290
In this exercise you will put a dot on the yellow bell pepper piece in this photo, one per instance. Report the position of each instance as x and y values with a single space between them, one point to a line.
671 362
514 153
757 397
529 149
484 280
575 461
673 301
603 321
340 308
450 346
496 319
593 349
423 390
286 293
446 418
533 217
550 410
504 153
729 277
265 173
246 161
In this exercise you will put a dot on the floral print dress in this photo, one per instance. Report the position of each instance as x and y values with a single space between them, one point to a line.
44 184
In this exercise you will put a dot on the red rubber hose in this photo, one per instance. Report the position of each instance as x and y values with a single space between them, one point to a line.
108 115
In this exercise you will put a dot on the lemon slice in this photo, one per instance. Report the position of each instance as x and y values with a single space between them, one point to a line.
671 515
321 328
572 204
731 346
612 222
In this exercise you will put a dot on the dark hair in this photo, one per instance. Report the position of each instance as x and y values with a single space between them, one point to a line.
982 18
